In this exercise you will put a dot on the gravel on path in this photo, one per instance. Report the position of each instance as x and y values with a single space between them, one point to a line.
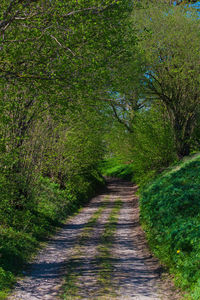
136 274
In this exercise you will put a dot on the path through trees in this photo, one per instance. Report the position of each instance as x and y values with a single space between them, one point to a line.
100 253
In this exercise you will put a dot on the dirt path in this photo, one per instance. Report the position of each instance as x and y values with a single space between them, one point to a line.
101 253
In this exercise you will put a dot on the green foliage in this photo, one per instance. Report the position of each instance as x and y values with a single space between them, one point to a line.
170 216
6 279
146 151
113 167
15 247
153 147
58 61
166 35
21 232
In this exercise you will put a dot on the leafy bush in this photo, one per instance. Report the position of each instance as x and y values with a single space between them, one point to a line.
22 229
5 277
153 144
15 247
170 213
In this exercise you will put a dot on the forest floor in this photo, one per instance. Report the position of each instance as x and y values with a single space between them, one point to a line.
100 253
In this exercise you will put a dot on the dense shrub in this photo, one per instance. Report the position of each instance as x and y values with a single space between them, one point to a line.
22 229
170 213
153 144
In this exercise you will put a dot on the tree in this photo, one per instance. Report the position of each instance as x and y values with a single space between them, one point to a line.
166 37
56 56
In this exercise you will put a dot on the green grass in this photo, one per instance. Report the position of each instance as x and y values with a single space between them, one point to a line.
103 259
114 168
74 265
104 250
170 214
70 287
22 231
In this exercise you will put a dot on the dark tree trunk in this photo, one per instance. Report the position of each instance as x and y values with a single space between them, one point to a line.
184 150
183 129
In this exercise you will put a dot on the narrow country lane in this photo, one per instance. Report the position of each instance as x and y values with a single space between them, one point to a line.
101 253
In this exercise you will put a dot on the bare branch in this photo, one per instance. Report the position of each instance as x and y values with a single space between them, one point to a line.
120 120
53 37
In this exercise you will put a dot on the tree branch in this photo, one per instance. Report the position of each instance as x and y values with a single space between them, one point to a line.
120 120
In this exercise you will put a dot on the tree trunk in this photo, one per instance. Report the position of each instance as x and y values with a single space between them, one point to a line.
183 129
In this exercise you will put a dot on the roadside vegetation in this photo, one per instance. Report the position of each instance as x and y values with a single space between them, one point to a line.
112 167
99 87
53 72
170 214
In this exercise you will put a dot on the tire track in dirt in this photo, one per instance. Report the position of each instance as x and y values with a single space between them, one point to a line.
85 270
95 275
136 273
135 279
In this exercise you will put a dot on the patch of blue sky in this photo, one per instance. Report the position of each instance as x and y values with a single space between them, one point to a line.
148 75
114 94
195 5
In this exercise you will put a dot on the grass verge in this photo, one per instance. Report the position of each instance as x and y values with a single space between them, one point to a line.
104 257
74 265
170 214
23 230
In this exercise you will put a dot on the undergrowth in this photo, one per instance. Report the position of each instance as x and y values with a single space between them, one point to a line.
23 229
170 214
113 167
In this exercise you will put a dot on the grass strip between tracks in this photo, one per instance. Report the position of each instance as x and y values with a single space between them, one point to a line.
74 264
104 257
